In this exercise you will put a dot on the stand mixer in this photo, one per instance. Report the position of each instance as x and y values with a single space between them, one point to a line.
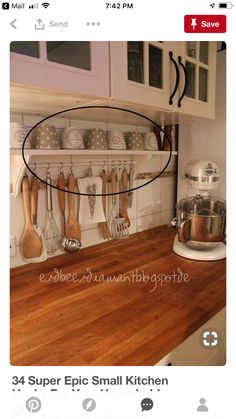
201 218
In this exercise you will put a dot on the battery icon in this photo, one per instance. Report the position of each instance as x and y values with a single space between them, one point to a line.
227 5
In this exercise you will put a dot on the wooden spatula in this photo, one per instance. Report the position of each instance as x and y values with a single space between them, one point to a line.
72 227
31 243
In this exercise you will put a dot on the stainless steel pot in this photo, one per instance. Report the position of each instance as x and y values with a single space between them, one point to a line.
201 221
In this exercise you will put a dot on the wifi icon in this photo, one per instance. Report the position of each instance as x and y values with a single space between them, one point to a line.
45 5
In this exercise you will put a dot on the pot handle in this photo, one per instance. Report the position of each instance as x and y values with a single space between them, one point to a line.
183 235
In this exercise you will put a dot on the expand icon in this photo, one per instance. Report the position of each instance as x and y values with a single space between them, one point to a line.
210 339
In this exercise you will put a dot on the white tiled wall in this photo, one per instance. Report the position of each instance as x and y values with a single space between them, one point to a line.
153 204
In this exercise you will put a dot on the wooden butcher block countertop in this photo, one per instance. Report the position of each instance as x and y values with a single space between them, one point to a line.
128 303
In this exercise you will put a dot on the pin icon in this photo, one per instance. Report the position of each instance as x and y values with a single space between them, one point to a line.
194 23
33 404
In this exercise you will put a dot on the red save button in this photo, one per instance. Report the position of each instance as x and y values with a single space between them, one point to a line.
204 23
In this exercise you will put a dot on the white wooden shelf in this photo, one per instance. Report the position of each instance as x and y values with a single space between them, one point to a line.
18 165
70 152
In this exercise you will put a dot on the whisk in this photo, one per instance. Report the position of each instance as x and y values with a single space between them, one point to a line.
50 231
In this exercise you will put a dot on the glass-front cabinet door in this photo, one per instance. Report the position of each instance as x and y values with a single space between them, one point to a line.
167 76
136 54
197 67
72 54
141 72
71 66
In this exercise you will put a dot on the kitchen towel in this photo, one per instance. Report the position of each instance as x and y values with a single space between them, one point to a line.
91 209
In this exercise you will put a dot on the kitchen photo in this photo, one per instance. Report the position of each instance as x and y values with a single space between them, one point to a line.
118 203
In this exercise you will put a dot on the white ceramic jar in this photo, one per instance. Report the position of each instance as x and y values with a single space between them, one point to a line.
72 138
150 141
18 132
116 140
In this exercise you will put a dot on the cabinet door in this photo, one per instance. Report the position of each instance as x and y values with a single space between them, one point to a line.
74 67
199 61
140 73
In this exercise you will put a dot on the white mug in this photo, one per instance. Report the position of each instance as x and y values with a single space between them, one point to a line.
150 141
116 140
72 138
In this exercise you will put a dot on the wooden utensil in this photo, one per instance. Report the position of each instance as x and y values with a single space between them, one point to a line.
103 227
124 197
31 243
34 217
62 201
72 227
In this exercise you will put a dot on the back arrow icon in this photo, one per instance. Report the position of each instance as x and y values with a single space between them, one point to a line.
13 23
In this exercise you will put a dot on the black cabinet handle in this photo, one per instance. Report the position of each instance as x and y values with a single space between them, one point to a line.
185 82
177 77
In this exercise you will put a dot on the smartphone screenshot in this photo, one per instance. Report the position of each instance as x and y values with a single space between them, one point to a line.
117 159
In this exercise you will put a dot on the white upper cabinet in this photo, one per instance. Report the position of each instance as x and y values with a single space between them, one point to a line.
74 67
172 76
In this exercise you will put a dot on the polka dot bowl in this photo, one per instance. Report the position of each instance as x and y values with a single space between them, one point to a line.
46 137
135 141
96 139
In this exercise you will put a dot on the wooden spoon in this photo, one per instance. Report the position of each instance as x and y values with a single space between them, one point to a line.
72 227
31 243
124 197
